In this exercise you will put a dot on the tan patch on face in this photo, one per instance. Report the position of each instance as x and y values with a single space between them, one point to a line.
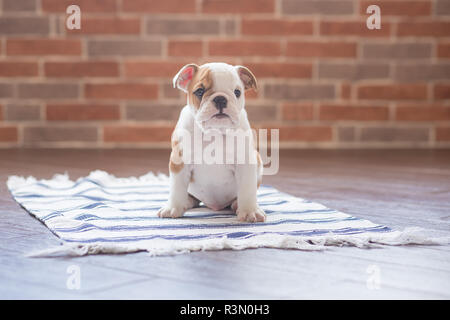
202 79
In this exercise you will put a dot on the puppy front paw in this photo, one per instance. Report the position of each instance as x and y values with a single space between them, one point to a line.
251 215
170 212
176 210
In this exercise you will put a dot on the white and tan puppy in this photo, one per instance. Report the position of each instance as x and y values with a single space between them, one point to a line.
215 105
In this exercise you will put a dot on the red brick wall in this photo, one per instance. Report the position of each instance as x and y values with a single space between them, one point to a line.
325 79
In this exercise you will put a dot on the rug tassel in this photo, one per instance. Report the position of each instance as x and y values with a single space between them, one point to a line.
409 236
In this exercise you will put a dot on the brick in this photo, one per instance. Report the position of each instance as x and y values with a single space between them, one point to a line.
442 7
244 48
48 90
424 29
19 5
422 113
443 50
18 69
170 92
81 69
321 49
24 26
441 91
137 134
230 27
298 92
394 134
353 112
107 25
399 8
346 91
82 112
280 70
161 69
33 135
124 48
8 134
422 72
393 92
295 111
149 112
238 6
442 133
353 28
59 25
324 7
43 47
182 26
346 134
22 112
6 90
396 51
258 113
1 112
97 6
353 71
121 91
185 48
276 27
157 6
306 133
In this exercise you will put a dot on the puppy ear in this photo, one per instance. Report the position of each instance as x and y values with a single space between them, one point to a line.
247 77
184 76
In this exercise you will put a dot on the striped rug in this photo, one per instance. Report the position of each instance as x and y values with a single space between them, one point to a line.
104 214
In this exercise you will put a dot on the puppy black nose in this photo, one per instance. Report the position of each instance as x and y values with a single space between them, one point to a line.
220 102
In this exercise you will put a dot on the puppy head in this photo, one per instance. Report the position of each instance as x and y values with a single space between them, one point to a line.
215 93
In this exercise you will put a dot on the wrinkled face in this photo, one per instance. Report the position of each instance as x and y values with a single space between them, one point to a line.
215 93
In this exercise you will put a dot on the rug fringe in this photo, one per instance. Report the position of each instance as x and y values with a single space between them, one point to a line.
101 176
107 178
409 236
18 181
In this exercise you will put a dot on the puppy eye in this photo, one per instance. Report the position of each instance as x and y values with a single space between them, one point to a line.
237 92
199 92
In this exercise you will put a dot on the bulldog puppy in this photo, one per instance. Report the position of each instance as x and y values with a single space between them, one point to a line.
215 103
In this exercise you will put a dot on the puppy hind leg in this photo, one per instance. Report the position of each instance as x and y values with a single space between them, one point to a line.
234 206
194 201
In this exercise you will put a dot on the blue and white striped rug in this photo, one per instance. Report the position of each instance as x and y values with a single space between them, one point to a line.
104 214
